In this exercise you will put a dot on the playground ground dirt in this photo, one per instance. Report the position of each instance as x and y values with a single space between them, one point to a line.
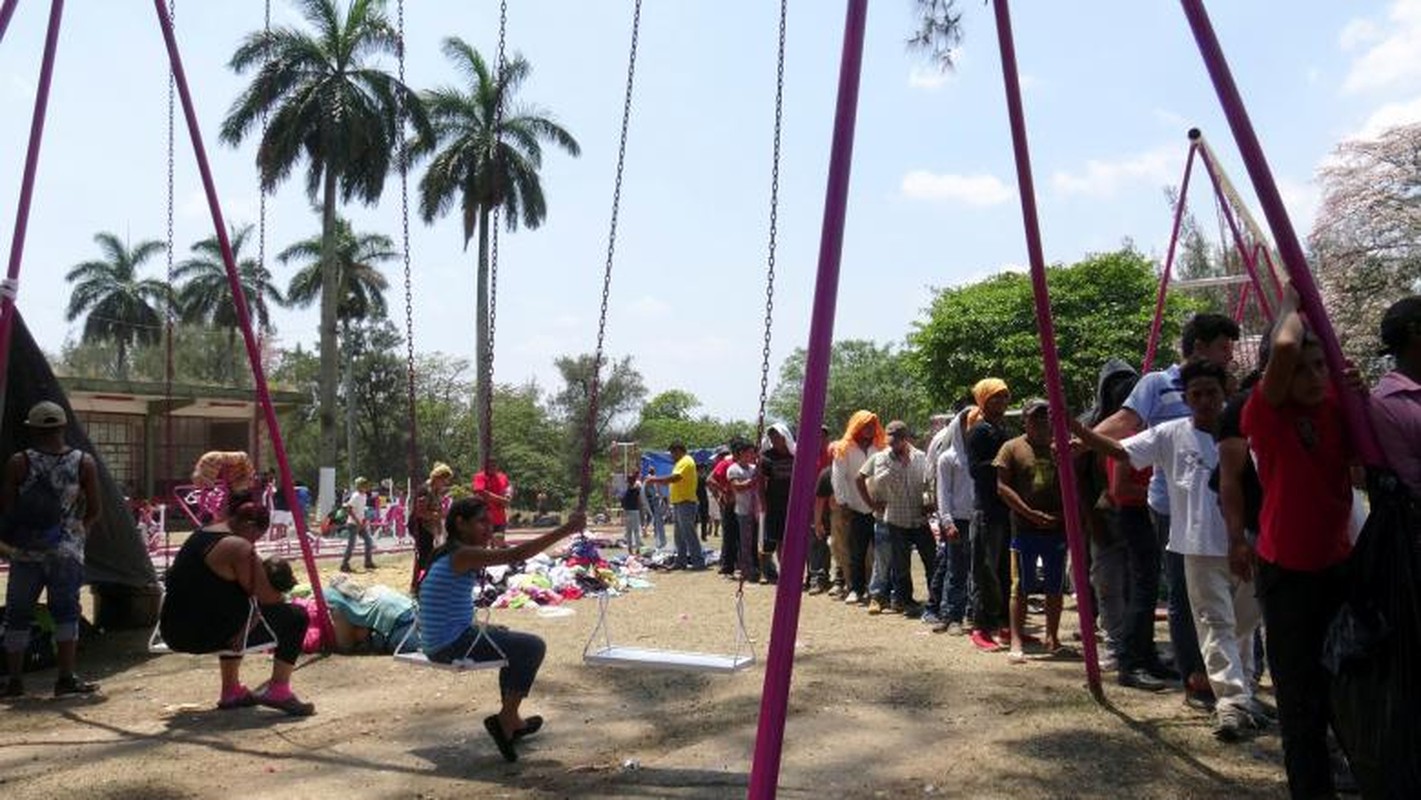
880 707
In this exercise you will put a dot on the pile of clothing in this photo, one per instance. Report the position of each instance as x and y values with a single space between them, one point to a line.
580 570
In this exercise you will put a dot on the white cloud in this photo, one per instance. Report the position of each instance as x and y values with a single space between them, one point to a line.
980 190
1301 199
1389 116
1103 178
648 307
1169 119
929 78
1393 58
1029 81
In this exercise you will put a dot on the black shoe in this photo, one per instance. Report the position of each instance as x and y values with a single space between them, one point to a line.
370 565
1161 672
1141 678
345 568
71 685
14 687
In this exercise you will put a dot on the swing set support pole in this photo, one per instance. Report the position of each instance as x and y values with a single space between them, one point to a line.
1289 247
779 663
244 318
6 12
10 289
1249 255
1168 270
1056 395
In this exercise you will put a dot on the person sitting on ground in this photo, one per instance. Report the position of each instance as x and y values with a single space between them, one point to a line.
370 619
207 606
1027 481
446 612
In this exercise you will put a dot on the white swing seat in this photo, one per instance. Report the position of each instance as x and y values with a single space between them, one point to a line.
417 658
672 660
255 620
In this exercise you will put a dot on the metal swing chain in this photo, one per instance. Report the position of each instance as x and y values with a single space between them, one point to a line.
412 451
261 247
168 446
774 226
770 262
594 388
499 71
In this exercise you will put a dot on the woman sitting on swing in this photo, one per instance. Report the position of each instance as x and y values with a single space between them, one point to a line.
446 613
207 606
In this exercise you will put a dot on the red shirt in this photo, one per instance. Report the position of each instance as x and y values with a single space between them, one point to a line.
497 514
1139 479
1303 457
718 477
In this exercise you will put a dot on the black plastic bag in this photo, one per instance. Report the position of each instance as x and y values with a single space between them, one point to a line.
1373 647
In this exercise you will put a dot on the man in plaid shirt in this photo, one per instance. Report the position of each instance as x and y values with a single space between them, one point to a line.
894 482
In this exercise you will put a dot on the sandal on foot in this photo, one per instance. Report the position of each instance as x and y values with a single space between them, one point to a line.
505 743
531 725
244 700
291 705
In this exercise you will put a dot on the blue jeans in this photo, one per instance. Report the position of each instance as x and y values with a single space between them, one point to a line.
949 579
688 542
59 575
729 540
1142 549
524 653
881 583
1182 634
860 538
351 531
658 525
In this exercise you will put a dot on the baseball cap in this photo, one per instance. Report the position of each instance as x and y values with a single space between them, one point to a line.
898 428
1403 317
46 414
1033 406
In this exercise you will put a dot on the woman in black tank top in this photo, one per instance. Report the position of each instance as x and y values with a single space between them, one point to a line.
208 602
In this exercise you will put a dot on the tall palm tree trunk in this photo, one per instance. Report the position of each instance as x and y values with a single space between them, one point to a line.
121 364
330 297
482 383
349 399
232 356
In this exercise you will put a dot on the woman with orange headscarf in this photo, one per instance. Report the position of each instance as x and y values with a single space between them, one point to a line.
863 436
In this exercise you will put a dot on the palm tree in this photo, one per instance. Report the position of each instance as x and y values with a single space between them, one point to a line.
205 296
487 162
327 101
122 308
360 287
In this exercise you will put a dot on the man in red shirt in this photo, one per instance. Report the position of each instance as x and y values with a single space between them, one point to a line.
493 487
719 486
1294 426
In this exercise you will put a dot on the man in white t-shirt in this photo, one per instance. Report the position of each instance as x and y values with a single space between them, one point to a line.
356 524
1225 610
744 480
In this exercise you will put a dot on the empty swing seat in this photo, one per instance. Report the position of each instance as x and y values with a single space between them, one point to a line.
671 660
607 654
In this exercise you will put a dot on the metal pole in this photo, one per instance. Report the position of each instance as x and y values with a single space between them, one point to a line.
779 665
1158 322
1055 393
1289 247
10 288
1248 255
244 319
6 11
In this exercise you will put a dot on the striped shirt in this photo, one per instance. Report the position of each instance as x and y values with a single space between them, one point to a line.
446 605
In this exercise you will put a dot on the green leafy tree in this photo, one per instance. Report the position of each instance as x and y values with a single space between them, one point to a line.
205 296
360 287
1102 308
328 101
862 374
118 306
620 392
530 446
377 398
668 418
485 161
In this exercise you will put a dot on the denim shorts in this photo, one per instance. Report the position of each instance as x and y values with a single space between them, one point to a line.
56 573
1030 549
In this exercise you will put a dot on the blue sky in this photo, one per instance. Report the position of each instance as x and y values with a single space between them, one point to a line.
1110 89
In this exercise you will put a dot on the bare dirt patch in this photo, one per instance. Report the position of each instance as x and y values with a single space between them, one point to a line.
880 708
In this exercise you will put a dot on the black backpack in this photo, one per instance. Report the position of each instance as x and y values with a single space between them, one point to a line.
34 521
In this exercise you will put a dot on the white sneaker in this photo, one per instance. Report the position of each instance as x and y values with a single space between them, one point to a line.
851 598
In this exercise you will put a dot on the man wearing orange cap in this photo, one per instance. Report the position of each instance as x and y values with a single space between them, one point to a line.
991 519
